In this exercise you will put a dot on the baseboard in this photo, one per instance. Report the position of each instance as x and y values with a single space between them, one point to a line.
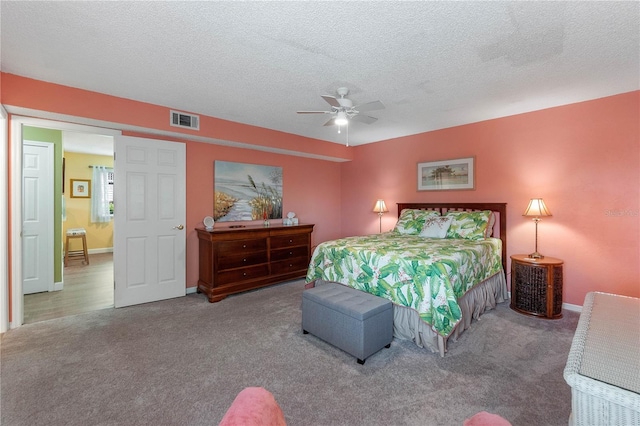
570 307
58 286
100 250
567 306
191 290
95 251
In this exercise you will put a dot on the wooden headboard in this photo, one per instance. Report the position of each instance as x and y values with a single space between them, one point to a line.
500 210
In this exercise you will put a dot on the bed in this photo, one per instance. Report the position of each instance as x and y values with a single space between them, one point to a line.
442 266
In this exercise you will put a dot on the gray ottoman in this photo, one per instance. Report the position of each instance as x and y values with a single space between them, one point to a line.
359 323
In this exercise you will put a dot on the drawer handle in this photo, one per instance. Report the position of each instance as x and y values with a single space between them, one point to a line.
290 253
244 260
290 241
244 246
244 273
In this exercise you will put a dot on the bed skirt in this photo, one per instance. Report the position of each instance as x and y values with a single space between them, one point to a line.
408 325
482 297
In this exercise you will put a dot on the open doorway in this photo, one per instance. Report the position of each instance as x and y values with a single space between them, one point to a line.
80 286
167 263
86 288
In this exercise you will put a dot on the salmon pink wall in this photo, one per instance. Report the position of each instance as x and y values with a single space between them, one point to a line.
582 159
24 92
311 189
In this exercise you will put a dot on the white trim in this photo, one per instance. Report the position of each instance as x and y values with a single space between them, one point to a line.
192 290
96 251
570 307
4 223
16 122
17 302
101 250
567 306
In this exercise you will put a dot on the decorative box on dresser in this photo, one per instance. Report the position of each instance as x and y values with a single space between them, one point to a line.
233 260
536 286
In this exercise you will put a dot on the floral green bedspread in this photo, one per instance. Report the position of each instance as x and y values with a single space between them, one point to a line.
426 274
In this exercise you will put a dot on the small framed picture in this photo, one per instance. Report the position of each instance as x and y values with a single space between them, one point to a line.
446 175
80 188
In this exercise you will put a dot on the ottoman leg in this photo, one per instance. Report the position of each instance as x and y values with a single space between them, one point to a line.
305 332
361 361
388 346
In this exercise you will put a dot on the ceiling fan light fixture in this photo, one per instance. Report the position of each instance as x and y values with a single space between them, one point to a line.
341 119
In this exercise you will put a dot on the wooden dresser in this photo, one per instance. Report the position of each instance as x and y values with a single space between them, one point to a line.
239 259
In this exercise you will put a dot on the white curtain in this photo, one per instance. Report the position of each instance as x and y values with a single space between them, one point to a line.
99 195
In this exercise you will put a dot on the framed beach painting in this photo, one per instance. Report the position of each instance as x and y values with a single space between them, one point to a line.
246 192
446 175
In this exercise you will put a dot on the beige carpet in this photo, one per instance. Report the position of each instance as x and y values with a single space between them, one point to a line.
182 362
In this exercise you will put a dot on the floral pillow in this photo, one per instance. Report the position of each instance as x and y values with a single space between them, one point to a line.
468 225
436 227
411 221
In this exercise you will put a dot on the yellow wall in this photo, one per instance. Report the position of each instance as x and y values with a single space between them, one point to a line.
78 210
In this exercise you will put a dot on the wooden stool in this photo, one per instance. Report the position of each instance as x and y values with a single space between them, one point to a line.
76 254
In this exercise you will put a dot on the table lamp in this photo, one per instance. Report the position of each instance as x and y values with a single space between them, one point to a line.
536 209
380 207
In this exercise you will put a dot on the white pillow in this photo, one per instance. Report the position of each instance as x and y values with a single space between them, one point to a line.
436 226
411 221
492 221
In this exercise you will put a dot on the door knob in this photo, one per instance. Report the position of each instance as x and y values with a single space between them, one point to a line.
179 227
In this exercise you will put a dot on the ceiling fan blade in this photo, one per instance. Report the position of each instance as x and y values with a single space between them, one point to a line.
331 100
330 122
364 119
314 112
369 106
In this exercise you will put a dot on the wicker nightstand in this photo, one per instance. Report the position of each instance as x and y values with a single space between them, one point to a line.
536 286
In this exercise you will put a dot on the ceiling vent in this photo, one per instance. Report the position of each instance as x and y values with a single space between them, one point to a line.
182 119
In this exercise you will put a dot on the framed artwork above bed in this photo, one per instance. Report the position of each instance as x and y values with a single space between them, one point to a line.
446 175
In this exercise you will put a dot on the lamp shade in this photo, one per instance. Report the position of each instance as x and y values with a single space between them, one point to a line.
536 208
380 207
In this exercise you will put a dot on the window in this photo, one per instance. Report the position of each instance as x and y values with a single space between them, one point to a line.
102 194
110 191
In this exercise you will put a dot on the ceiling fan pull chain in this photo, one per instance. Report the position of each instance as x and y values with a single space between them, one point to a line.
347 135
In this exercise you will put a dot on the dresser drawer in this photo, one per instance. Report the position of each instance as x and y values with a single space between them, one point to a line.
299 264
244 259
283 241
227 248
232 260
289 253
242 274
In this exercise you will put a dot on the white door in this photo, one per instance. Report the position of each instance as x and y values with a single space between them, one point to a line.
37 217
150 213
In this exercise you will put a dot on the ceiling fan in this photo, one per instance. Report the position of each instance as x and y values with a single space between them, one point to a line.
343 110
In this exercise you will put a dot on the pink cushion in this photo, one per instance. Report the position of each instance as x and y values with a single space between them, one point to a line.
254 407
486 419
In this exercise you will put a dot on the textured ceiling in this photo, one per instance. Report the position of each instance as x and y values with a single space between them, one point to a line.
433 64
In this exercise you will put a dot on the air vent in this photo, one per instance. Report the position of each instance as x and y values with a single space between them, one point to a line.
182 119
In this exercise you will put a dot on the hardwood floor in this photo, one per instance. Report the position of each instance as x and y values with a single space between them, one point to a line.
86 288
